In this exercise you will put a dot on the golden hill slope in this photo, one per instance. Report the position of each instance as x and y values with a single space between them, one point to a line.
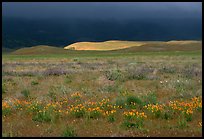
168 46
137 45
103 46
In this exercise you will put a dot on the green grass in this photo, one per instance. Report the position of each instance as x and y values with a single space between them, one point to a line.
134 99
69 132
25 93
96 54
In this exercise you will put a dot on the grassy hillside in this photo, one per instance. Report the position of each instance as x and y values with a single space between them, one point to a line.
107 45
133 45
6 50
40 49
112 47
167 46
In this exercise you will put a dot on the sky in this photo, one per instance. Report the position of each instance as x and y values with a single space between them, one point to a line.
102 10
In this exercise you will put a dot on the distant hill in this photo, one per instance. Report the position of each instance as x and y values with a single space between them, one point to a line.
137 45
6 50
166 46
113 46
103 46
40 49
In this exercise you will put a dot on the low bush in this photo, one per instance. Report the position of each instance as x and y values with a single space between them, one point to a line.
134 99
25 93
114 75
120 101
34 83
69 132
138 73
42 116
150 98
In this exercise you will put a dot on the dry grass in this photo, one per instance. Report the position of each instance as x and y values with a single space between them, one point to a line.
107 45
133 45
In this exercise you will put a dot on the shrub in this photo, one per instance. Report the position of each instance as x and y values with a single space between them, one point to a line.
6 111
180 87
43 116
85 90
47 114
166 69
62 89
190 71
79 113
138 73
137 124
111 118
150 98
69 132
67 79
54 71
134 99
168 115
52 93
34 83
182 123
95 114
75 59
188 117
114 75
120 101
25 93
109 88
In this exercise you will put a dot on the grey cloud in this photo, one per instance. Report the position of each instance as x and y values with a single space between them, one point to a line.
102 10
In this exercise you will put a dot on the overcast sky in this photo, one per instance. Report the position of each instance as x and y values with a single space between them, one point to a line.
102 10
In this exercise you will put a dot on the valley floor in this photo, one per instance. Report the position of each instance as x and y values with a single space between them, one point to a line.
102 94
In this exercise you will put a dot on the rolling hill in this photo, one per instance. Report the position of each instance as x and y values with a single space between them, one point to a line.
103 46
166 46
137 45
40 49
113 46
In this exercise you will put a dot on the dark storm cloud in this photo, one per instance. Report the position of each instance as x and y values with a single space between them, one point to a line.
102 10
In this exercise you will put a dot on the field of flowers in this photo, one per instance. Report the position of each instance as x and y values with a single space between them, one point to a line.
102 97
133 117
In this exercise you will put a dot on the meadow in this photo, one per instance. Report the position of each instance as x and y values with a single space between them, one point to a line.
92 94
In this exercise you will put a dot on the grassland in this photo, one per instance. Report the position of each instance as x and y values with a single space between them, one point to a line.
113 93
101 46
185 45
112 47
